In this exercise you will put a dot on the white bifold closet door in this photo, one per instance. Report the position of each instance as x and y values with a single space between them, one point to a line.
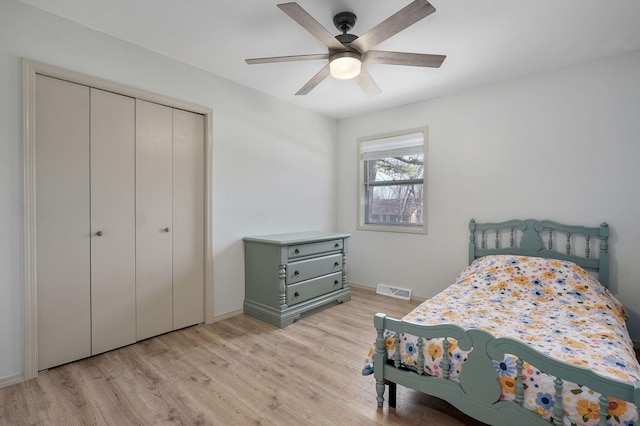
113 237
169 218
188 218
85 221
154 219
62 222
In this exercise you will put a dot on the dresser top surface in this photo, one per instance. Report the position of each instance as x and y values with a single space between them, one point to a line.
296 237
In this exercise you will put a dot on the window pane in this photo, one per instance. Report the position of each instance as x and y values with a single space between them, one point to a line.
395 204
407 167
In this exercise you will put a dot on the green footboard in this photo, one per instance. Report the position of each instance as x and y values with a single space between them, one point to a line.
478 391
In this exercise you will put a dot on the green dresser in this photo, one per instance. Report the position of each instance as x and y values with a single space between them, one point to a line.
288 276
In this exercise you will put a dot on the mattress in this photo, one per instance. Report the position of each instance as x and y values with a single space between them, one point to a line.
555 307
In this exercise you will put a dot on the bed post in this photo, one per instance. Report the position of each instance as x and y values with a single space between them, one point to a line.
603 267
379 358
472 241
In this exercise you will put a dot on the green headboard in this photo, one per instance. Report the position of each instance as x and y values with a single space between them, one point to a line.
543 238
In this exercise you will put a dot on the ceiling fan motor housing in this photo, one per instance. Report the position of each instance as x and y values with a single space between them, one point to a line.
346 38
344 21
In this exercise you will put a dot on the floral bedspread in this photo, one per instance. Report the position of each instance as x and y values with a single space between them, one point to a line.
554 306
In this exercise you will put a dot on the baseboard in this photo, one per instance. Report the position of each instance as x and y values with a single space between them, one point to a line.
363 287
11 380
217 318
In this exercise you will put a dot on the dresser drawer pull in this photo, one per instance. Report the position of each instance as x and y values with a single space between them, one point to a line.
296 273
337 245
296 294
336 282
297 251
336 264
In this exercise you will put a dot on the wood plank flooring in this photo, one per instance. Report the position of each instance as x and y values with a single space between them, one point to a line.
240 371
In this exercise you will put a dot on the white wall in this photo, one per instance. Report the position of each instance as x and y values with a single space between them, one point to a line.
267 154
563 145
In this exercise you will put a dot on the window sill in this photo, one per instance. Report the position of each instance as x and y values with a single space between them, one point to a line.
394 228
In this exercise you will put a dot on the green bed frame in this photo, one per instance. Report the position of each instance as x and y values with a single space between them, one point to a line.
478 391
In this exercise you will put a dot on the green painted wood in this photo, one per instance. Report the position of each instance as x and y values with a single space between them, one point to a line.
478 392
284 317
288 276
312 288
603 403
475 400
479 378
519 384
558 410
310 249
499 413
379 357
531 242
314 267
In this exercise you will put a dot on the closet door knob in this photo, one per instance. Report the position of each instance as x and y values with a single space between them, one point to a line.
99 233
166 229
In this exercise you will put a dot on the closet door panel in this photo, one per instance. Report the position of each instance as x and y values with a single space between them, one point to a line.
113 285
188 218
154 227
62 221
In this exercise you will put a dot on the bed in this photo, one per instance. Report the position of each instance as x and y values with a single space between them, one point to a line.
527 334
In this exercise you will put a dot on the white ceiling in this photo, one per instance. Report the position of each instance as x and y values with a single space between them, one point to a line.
485 41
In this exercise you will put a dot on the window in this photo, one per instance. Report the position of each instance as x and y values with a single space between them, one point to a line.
392 185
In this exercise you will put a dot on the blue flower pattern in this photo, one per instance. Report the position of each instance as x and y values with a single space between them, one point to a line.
561 311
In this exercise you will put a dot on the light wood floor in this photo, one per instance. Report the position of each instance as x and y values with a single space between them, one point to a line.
239 371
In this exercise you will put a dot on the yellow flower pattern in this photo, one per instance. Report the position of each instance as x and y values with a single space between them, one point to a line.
554 306
587 409
435 351
507 384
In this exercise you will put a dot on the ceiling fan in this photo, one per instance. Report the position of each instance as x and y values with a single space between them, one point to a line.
348 53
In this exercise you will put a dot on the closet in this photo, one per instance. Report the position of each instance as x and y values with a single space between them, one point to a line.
119 220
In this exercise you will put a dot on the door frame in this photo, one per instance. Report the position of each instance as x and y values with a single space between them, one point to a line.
30 70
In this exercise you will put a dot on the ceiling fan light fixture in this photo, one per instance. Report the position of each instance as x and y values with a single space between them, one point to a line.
345 65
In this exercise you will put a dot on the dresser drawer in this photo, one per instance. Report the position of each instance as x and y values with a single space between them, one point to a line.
311 268
300 250
306 290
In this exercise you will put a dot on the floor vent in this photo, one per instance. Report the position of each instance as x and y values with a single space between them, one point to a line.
400 293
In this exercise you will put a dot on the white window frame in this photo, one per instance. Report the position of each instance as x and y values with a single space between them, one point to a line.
395 143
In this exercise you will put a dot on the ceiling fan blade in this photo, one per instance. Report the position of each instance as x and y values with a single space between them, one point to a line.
315 80
367 83
404 18
307 22
403 58
293 58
